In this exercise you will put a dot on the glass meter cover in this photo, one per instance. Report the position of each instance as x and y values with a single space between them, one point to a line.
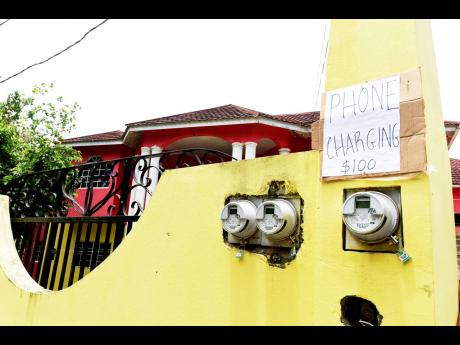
370 216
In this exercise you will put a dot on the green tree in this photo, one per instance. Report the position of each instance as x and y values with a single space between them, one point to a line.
31 133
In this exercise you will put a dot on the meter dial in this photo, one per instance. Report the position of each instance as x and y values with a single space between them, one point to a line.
370 216
277 219
238 218
364 220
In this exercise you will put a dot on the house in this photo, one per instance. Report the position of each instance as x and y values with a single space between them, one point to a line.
237 131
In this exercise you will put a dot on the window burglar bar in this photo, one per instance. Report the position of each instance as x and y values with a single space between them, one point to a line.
82 260
58 252
95 174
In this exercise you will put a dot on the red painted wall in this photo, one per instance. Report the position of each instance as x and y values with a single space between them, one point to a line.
165 137
456 196
232 133
107 152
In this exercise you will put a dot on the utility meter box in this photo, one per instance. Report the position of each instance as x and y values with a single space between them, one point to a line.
238 219
278 221
263 221
372 220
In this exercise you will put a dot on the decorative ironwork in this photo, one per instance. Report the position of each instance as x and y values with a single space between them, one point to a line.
56 219
53 193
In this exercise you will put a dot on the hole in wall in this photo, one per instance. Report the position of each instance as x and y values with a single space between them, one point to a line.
277 188
276 256
357 311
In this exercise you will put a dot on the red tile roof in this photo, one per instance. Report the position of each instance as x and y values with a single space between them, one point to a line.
230 111
451 123
225 112
455 169
303 119
106 136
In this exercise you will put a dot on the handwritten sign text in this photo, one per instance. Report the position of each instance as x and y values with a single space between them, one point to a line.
361 129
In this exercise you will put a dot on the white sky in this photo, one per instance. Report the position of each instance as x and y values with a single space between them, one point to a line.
132 70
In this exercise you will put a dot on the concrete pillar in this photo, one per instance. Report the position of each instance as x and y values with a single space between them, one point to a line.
138 193
237 150
284 151
361 50
153 172
250 151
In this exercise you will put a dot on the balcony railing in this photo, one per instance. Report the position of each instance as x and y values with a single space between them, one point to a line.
53 193
66 221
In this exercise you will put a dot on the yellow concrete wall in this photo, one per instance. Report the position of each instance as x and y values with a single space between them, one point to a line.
175 269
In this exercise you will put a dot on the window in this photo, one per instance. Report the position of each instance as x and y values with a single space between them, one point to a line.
98 174
98 254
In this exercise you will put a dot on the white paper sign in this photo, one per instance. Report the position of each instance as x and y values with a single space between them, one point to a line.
361 129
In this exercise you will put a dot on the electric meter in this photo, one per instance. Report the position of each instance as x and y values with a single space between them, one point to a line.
238 218
370 216
277 219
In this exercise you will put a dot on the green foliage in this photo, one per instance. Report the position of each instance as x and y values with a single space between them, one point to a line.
31 133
